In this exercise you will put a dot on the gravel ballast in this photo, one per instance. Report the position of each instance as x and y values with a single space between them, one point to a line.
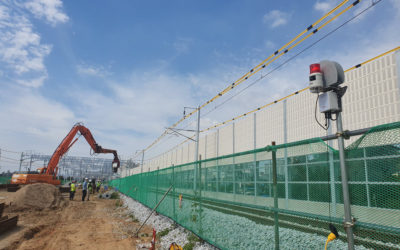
159 222
228 231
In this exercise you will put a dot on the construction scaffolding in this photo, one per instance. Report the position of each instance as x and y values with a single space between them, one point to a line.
72 166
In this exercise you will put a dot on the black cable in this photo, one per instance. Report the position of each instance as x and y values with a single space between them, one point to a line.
3 157
9 151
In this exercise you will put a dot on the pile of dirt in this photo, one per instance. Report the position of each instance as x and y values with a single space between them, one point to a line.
37 196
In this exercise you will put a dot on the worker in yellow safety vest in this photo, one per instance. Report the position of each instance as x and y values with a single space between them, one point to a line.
98 185
72 191
175 246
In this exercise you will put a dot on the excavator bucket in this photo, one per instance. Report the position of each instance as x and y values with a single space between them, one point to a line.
115 164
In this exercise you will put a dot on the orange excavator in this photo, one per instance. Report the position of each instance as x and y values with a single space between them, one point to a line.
48 174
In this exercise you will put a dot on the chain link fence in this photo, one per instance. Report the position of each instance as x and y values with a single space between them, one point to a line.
5 179
283 196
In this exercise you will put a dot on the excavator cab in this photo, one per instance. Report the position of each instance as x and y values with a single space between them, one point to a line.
41 170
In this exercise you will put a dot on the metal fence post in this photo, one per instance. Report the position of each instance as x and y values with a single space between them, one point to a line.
255 155
196 153
286 155
332 173
366 177
217 154
275 188
348 223
200 201
141 167
173 192
157 184
233 158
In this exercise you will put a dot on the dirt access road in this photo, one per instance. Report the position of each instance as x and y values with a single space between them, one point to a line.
94 224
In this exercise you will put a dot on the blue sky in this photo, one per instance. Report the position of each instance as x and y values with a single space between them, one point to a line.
127 68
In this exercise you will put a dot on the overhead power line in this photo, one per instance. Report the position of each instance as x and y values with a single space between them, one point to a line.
290 59
277 54
11 159
9 151
281 99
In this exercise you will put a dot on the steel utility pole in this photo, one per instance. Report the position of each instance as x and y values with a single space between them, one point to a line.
196 151
325 80
196 157
141 168
20 161
30 164
348 222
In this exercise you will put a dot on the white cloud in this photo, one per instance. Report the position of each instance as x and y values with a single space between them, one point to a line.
50 10
136 109
33 82
32 121
276 18
20 46
325 6
91 70
21 51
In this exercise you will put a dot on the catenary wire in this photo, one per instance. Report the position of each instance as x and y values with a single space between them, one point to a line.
293 94
252 71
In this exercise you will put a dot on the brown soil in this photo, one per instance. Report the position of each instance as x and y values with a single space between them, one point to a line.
95 224
37 196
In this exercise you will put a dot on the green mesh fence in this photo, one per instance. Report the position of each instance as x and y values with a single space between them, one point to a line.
5 179
374 182
283 196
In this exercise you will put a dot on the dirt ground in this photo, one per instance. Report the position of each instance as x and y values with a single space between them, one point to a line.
94 224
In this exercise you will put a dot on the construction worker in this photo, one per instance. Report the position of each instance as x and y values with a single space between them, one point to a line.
90 189
175 246
93 186
72 191
98 185
84 188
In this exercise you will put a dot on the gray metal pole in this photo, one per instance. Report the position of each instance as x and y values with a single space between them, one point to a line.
332 173
196 157
30 164
20 162
286 155
173 191
141 169
255 155
233 158
348 224
275 190
153 209
217 154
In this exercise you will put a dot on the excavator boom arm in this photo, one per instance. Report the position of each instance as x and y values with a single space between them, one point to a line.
67 143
